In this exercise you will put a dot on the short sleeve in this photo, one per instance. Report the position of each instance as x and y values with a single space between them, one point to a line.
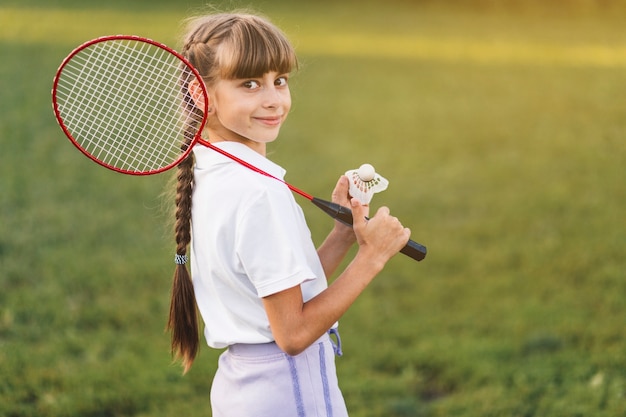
270 243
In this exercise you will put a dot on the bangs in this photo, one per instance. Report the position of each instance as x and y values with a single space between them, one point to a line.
254 50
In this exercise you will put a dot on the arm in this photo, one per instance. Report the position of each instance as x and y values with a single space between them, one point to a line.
296 324
341 238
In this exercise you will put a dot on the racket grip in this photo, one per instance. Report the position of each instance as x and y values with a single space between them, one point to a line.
412 249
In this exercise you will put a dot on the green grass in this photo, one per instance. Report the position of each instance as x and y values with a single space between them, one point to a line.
502 132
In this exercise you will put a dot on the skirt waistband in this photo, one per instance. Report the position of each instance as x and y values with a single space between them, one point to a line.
261 349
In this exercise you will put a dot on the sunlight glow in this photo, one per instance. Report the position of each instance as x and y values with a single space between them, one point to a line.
72 27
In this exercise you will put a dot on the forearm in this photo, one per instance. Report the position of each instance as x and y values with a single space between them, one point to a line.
335 248
322 311
296 324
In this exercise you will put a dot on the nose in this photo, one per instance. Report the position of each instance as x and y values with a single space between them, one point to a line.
274 97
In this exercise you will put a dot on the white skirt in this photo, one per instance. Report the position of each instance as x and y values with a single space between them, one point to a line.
263 381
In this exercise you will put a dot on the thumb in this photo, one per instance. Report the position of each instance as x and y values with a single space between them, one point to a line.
359 212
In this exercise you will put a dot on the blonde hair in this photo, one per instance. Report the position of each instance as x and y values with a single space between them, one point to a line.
219 46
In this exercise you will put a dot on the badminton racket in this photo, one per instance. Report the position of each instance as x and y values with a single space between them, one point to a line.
120 101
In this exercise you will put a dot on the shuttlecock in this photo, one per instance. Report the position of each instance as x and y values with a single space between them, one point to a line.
365 182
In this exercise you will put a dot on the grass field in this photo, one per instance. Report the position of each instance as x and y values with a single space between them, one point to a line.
502 129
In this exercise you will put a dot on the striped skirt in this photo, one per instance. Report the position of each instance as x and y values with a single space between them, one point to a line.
263 381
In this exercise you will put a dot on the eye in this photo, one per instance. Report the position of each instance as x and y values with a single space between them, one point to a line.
251 84
281 81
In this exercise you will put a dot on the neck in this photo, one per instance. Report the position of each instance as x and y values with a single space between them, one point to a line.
258 147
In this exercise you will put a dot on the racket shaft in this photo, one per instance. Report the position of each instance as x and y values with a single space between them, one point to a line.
336 211
343 214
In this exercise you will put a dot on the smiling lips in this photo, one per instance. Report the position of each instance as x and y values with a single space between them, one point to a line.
270 121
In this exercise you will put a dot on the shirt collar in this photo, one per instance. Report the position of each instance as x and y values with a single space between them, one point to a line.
206 157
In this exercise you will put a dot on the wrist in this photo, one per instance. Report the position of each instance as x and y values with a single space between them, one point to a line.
343 234
372 262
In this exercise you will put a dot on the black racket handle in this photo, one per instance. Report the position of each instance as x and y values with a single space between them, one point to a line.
344 215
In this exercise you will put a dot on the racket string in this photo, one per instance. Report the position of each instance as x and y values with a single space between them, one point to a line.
141 76
157 79
96 101
123 104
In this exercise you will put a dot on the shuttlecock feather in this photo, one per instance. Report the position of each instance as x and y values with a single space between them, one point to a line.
365 182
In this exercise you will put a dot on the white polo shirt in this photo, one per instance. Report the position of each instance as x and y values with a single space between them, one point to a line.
250 240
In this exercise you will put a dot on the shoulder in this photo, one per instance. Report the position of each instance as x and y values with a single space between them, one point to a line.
232 184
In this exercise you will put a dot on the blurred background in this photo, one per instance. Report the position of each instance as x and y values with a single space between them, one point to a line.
501 126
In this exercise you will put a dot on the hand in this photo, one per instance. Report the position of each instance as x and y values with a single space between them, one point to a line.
342 197
381 236
341 194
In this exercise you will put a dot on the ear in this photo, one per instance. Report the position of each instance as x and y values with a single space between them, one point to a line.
197 94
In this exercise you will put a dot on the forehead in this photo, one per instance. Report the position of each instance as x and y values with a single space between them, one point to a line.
254 59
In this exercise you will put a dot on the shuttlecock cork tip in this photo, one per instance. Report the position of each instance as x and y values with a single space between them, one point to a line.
366 172
365 182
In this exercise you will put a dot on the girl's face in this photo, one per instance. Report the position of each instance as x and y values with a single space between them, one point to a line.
250 111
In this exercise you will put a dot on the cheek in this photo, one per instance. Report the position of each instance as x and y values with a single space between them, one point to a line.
287 102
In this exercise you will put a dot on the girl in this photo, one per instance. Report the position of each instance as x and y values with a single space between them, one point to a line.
258 281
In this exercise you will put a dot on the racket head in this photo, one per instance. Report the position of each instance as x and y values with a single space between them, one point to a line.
119 99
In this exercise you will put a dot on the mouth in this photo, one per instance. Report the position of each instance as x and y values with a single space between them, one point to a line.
270 120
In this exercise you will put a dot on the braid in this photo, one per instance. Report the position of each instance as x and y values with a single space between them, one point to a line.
183 316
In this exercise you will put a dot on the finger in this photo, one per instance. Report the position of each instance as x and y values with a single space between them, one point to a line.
407 234
340 192
383 211
358 212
